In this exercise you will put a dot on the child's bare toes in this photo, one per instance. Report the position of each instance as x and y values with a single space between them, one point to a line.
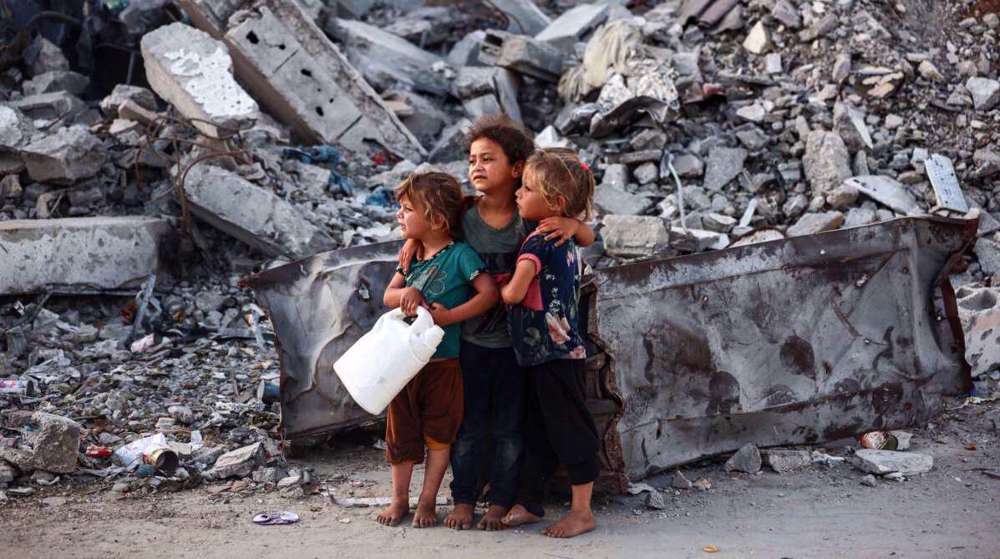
393 514
460 518
493 519
519 515
424 516
573 524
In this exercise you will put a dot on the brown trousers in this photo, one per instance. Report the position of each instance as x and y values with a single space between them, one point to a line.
428 410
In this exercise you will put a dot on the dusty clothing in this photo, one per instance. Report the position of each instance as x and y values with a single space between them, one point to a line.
558 429
428 412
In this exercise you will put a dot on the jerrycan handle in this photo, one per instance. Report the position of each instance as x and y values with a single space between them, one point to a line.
423 322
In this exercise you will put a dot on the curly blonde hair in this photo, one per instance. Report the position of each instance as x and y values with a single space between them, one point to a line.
560 173
438 193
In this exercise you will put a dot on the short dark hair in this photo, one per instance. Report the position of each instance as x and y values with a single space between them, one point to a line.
439 194
513 138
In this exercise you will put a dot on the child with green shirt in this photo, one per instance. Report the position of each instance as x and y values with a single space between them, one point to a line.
427 414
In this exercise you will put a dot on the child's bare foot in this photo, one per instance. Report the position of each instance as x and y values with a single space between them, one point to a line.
425 515
519 515
493 519
460 518
393 514
573 524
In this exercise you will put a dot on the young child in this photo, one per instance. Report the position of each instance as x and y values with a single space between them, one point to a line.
428 412
544 295
493 382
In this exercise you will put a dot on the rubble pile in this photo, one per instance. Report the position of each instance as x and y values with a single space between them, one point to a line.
262 132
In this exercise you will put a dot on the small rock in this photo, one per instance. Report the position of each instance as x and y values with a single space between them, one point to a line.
757 41
869 480
719 223
237 463
928 70
841 68
723 165
786 12
634 235
772 63
754 113
893 122
985 93
182 414
688 166
122 93
783 461
51 442
881 462
65 157
611 199
655 501
646 173
842 197
702 484
810 224
827 162
746 459
680 482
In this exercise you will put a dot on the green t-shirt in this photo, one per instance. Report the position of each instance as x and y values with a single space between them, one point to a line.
446 278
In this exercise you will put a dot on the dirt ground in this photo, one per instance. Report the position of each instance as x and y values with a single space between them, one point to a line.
823 511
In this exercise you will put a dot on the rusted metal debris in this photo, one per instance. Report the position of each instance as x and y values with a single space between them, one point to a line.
801 340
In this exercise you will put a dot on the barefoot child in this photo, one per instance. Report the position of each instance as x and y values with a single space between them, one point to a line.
493 381
428 412
543 296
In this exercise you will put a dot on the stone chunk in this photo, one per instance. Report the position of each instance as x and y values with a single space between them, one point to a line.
466 51
252 214
786 12
985 93
698 240
49 442
888 192
386 60
16 130
881 462
810 224
523 16
612 199
723 165
81 254
56 80
647 173
757 41
688 166
633 235
679 481
66 156
193 72
783 461
567 29
522 54
44 56
50 106
850 125
826 162
122 93
237 463
746 459
979 311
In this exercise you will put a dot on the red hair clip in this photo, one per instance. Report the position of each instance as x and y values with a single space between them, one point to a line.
584 166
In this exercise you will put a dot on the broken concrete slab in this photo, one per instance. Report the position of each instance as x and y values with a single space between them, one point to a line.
303 79
632 236
386 60
44 56
56 80
122 93
79 255
612 199
16 129
50 106
567 29
466 51
985 93
850 125
979 310
523 16
948 192
472 82
746 460
888 192
812 223
193 72
881 462
758 40
723 165
826 161
237 463
49 442
65 156
254 215
784 461
698 240
522 54
988 252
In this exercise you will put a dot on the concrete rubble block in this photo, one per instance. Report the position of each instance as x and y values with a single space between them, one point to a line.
646 173
747 460
425 120
723 165
634 235
698 240
679 481
44 56
472 82
720 223
482 105
758 40
523 16
826 162
567 29
888 192
466 51
979 311
850 125
49 442
985 93
306 83
122 93
523 55
612 199
238 463
812 223
193 72
16 129
988 252
82 254
786 12
882 462
254 215
50 106
65 156
56 80
387 60
688 166
784 461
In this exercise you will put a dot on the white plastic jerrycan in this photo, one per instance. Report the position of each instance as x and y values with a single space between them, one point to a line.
381 362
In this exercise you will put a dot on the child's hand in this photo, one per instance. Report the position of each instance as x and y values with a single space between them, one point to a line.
409 299
411 249
441 314
562 228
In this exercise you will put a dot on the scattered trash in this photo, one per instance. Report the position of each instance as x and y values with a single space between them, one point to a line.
710 549
276 518
879 440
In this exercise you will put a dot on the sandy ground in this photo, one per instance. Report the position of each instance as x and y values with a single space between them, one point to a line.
818 512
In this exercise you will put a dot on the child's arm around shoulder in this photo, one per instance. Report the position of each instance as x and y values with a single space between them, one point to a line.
564 228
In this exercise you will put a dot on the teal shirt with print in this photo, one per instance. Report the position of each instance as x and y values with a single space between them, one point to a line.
446 278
